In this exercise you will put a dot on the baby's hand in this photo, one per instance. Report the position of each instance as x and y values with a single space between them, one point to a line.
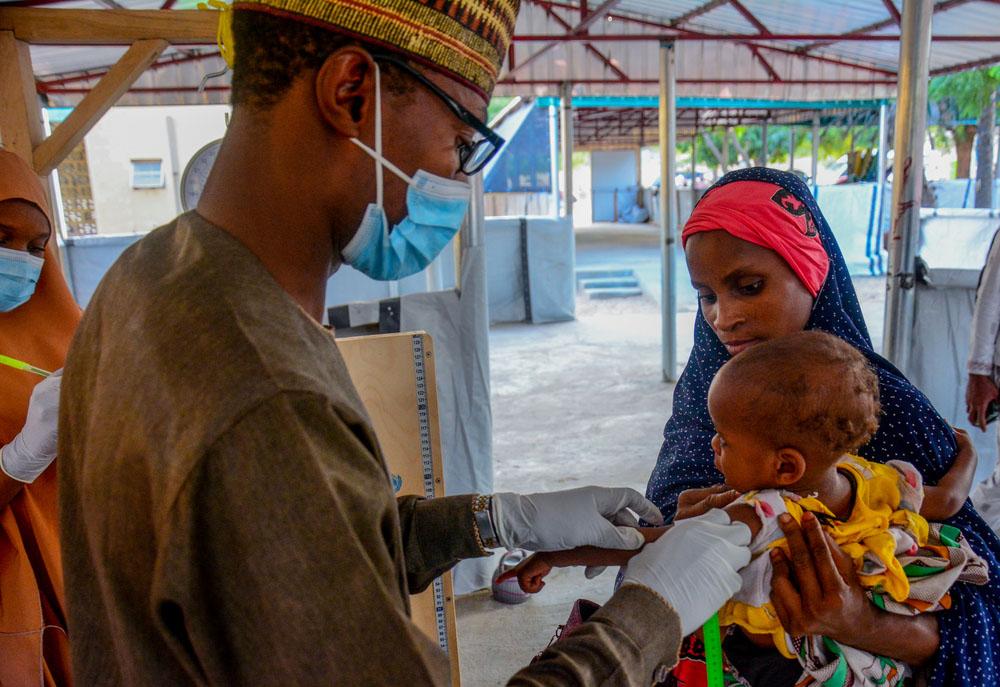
530 573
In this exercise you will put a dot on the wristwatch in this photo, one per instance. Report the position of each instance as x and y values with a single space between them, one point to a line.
482 522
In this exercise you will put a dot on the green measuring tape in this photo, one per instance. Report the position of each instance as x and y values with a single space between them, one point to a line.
21 365
712 637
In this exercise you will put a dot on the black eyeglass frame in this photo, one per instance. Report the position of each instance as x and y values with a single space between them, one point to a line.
467 151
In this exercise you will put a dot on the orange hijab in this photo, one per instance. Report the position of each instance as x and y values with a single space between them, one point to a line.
33 642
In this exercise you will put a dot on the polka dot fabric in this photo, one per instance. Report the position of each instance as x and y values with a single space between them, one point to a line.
910 429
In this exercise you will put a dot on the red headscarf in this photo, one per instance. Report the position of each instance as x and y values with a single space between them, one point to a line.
769 216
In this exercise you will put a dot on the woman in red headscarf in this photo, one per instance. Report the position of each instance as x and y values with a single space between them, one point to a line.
765 264
37 319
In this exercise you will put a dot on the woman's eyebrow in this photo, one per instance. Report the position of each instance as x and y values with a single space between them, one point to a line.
11 229
736 273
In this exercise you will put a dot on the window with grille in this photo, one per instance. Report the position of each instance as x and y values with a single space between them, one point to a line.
147 174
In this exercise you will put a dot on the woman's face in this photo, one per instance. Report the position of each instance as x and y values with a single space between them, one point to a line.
747 293
23 227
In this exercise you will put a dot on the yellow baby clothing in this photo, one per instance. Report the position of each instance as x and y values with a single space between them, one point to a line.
884 523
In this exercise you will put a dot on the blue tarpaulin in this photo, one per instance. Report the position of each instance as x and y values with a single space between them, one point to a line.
525 163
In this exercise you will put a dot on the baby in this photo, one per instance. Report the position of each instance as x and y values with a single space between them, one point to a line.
788 414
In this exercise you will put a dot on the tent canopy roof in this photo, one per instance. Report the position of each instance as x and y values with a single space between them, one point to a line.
610 47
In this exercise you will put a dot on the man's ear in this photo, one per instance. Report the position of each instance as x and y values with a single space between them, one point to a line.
790 465
345 90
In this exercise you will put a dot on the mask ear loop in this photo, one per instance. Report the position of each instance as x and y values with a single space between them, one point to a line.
378 136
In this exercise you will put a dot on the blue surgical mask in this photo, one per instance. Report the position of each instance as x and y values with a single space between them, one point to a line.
435 207
19 272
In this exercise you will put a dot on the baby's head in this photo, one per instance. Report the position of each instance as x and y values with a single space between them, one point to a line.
786 410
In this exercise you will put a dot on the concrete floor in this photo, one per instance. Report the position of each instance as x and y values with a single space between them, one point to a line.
574 403
579 403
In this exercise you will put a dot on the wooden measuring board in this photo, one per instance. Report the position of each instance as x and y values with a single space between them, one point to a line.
394 375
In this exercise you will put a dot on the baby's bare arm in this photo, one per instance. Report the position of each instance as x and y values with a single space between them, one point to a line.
532 571
745 513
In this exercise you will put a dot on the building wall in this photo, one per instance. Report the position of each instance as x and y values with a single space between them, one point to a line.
141 133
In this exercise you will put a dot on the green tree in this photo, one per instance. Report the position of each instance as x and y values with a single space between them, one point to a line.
973 96
835 142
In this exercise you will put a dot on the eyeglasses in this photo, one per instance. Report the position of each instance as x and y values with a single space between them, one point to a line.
473 156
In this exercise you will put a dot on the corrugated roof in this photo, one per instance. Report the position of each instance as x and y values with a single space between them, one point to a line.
761 68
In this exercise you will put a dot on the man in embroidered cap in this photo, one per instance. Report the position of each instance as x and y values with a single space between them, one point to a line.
226 514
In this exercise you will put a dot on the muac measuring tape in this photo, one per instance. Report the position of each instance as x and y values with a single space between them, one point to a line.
712 638
21 365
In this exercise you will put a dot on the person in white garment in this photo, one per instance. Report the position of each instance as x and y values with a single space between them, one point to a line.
984 373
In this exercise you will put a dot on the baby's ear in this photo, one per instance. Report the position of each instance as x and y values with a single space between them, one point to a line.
790 465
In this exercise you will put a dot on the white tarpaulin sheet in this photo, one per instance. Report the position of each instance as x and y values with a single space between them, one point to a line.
458 323
941 330
954 244
530 270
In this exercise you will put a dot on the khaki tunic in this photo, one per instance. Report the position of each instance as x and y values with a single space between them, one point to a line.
226 513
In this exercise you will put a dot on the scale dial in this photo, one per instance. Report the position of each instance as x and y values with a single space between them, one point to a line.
196 174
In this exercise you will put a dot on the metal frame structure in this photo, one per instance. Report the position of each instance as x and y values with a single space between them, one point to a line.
165 41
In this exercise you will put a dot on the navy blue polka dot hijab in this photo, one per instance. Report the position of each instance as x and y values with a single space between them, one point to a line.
910 430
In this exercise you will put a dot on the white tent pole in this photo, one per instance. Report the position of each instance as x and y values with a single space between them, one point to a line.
668 205
694 168
815 151
554 159
474 229
725 150
911 119
791 148
763 143
566 127
883 144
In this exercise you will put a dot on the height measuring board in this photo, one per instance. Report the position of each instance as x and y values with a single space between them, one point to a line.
395 377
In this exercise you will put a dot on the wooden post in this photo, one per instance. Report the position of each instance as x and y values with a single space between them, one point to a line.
21 127
21 124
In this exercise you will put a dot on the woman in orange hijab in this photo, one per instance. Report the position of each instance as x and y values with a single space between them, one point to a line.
37 319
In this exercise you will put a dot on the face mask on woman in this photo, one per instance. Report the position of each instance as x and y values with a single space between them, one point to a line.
19 273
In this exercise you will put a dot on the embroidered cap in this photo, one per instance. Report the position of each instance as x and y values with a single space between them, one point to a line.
465 39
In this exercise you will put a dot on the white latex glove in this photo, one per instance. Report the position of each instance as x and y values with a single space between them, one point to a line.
34 449
560 520
694 566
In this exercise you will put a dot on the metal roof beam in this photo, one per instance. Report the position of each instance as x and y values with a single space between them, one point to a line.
828 60
748 15
885 23
984 62
44 85
674 25
696 12
595 16
578 30
764 63
732 82
745 37
890 7
588 46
